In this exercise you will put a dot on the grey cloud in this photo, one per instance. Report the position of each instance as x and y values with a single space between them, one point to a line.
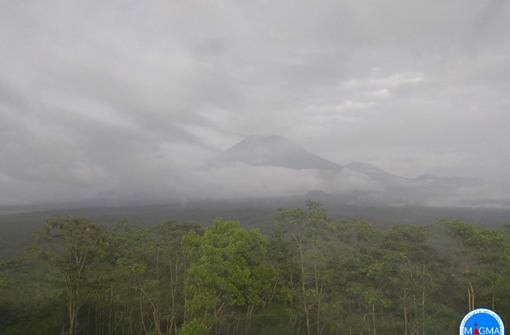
113 97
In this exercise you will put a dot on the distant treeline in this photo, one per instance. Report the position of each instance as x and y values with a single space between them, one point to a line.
311 274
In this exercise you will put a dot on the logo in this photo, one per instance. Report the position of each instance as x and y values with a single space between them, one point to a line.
481 321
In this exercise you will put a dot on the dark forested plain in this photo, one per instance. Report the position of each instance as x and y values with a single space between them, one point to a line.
246 268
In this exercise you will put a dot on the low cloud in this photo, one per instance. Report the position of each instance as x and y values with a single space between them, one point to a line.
241 180
119 100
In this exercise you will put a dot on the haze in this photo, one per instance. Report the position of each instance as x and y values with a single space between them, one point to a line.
130 100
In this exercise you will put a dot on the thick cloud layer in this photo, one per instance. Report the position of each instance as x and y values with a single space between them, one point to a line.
124 98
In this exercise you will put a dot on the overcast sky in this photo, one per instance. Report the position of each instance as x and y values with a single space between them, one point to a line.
107 95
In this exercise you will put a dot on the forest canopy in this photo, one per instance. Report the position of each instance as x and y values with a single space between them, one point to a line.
309 274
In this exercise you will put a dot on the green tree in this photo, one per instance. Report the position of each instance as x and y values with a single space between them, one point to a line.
70 245
5 281
492 254
312 232
227 276
421 276
465 237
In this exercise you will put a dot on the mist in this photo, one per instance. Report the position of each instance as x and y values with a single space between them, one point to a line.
127 102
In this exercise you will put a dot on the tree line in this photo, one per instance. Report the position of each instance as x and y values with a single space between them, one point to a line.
311 274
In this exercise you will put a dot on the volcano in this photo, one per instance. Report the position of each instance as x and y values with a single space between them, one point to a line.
273 150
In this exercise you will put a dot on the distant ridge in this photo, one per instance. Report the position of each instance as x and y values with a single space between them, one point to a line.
273 150
379 187
374 172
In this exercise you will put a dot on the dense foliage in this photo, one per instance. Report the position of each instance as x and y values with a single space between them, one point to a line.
311 274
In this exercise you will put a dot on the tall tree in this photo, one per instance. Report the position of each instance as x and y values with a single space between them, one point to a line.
312 232
227 277
465 237
70 245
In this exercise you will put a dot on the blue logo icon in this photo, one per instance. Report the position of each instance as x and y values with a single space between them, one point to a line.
481 321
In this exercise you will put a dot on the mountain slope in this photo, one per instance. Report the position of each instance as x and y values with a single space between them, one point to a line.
362 183
374 172
273 150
